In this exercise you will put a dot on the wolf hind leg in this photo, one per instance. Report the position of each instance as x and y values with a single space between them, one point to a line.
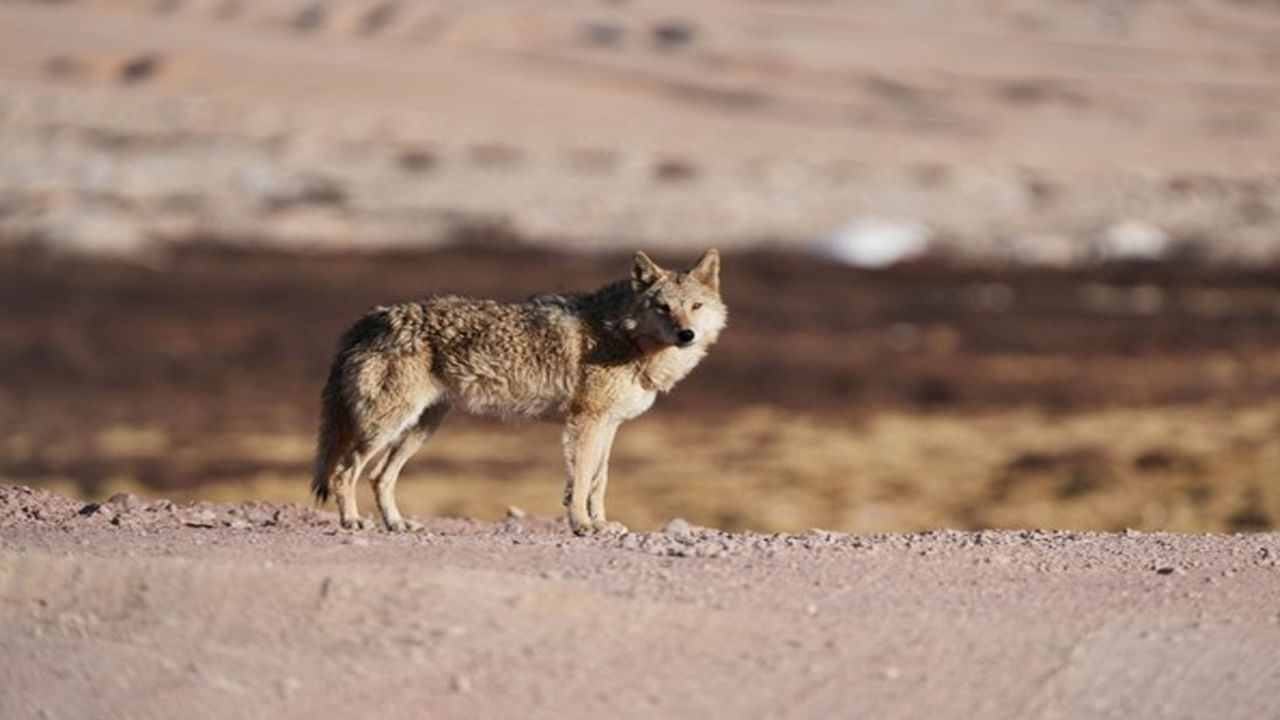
344 486
359 456
388 471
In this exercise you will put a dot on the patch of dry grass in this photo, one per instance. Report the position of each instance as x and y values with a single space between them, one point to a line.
1203 468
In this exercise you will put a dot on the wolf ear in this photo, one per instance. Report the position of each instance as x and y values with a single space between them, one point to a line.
707 271
644 272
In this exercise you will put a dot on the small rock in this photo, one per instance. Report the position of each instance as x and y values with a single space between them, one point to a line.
140 68
239 524
262 515
125 502
679 527
515 512
201 518
673 34
460 684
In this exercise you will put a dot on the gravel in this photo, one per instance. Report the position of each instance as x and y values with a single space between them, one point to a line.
282 613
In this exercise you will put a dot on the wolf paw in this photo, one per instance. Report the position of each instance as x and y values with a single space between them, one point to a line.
585 526
357 523
405 525
609 527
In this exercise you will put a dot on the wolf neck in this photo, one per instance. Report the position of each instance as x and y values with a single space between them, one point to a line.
658 366
661 370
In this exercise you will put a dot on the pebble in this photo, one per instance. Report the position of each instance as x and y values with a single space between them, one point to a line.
124 502
202 519
262 516
679 527
88 510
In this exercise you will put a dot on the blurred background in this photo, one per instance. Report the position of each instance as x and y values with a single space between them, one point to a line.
990 263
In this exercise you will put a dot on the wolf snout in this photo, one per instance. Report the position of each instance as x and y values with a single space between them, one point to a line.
686 337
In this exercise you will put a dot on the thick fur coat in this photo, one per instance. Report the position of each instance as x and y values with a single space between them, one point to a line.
594 360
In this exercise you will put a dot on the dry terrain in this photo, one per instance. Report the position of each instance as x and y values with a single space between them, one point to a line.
135 609
1008 130
915 398
1029 472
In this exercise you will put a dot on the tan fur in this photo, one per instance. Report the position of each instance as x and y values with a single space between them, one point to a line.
593 360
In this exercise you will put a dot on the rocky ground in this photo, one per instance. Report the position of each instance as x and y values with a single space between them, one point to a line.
124 609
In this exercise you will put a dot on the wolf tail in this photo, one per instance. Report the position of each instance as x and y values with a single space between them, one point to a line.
333 436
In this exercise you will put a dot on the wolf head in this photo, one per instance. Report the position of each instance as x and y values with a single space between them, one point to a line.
677 308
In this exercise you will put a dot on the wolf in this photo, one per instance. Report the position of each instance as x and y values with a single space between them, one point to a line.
593 360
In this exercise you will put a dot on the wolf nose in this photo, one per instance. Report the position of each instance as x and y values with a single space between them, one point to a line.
685 337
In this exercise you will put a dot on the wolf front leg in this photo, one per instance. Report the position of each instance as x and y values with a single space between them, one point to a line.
586 449
599 484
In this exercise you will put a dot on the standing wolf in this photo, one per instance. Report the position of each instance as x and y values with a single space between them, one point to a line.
593 360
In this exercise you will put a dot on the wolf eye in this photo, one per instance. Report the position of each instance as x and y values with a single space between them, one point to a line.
696 306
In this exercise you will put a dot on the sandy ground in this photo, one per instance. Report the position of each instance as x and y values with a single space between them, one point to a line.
261 610
1010 130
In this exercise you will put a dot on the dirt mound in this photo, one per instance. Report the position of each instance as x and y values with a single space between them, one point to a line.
21 504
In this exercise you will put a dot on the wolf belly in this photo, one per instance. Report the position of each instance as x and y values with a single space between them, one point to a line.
493 386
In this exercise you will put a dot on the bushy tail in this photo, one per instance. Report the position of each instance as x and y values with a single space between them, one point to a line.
333 437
